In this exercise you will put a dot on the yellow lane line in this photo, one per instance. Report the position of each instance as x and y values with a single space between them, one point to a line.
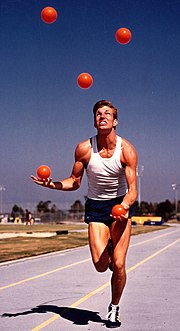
75 304
43 274
154 238
78 302
153 255
73 264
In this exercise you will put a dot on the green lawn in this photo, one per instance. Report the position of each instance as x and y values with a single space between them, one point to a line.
72 236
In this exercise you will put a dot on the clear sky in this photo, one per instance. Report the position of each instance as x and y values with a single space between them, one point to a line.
44 114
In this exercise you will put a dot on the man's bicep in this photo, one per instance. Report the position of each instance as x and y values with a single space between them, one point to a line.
130 172
77 171
131 165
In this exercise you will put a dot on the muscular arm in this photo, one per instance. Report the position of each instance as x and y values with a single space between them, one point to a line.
73 182
129 159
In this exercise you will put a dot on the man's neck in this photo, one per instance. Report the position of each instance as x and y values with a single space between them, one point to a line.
106 141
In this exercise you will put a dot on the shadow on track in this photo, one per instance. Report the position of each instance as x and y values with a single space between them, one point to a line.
76 316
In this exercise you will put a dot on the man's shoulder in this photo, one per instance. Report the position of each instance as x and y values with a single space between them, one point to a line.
83 150
86 144
128 151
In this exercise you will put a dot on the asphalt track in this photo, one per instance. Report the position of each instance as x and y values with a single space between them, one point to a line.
62 291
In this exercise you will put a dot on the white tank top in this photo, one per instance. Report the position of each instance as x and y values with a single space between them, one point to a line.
106 176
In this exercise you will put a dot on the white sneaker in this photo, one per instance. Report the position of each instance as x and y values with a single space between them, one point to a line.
113 317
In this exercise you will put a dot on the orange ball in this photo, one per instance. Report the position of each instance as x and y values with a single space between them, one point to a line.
43 172
123 36
49 15
85 80
118 210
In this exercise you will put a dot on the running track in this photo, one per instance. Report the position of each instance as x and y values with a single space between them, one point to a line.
62 291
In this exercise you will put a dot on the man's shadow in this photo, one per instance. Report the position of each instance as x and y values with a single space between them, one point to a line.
76 316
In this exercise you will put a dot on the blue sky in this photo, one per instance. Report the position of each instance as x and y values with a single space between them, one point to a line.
44 114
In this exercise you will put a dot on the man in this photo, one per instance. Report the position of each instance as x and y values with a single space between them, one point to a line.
110 163
28 217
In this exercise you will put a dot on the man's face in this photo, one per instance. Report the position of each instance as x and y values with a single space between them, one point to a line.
104 118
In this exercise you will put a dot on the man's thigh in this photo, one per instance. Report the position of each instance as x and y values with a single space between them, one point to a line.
120 234
99 234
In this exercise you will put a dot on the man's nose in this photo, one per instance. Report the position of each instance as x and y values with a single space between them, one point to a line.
102 116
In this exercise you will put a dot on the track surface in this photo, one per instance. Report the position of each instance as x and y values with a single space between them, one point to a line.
62 291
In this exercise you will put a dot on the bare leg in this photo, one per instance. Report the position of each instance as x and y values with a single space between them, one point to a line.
120 234
99 235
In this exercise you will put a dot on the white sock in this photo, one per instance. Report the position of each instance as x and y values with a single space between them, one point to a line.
114 306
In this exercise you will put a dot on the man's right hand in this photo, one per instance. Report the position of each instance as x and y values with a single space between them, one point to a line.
43 182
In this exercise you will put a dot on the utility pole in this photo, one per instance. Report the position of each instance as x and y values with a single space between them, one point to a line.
139 173
175 188
2 188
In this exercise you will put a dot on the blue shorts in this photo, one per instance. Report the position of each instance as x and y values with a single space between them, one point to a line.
100 210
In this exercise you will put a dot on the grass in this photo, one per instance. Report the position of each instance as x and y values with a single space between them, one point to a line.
15 228
21 247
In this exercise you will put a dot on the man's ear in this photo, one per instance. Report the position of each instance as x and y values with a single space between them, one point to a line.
115 122
95 124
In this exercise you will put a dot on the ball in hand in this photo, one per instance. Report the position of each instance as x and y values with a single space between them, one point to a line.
118 211
43 172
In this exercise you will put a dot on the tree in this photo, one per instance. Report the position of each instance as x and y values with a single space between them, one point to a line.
144 208
17 211
136 208
43 206
77 210
54 209
77 207
164 209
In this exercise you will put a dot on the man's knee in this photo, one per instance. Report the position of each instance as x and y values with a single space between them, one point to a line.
119 266
101 267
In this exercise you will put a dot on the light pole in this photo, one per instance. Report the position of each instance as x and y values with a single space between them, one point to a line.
176 187
2 188
139 173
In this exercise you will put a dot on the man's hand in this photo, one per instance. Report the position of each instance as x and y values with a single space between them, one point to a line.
44 182
119 212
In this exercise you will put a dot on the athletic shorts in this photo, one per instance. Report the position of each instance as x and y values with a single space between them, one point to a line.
100 210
